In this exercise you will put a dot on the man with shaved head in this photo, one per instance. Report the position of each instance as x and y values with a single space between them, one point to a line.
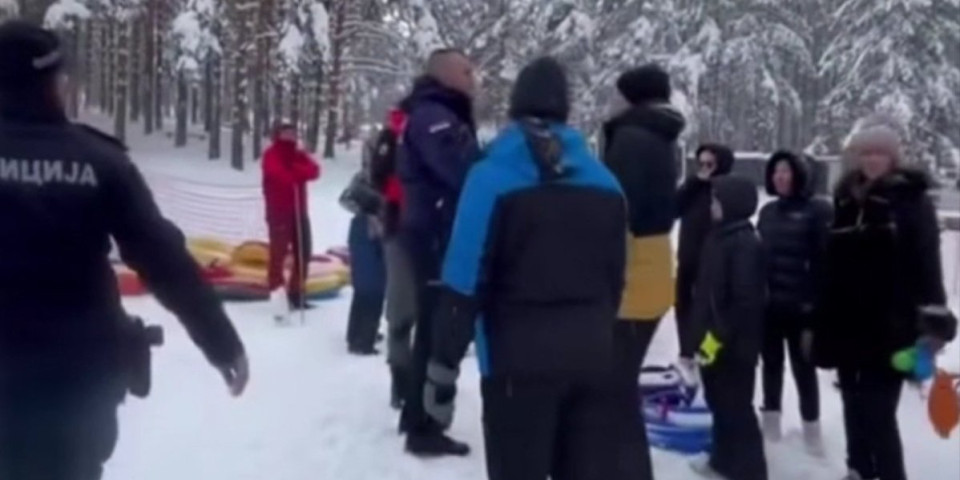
437 148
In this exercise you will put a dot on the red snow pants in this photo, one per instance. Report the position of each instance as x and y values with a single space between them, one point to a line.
284 241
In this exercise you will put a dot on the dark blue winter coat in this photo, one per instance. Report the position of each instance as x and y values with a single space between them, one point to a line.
367 271
437 149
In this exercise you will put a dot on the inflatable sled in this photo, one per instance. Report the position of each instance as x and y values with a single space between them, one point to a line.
243 277
675 419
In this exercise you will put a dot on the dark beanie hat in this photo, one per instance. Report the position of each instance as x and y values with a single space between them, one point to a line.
541 92
644 84
28 54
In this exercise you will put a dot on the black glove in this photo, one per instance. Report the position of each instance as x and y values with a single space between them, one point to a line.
439 393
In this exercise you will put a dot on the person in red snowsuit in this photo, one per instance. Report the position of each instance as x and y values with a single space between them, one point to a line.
286 171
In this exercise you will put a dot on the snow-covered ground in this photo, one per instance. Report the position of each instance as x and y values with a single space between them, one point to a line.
314 412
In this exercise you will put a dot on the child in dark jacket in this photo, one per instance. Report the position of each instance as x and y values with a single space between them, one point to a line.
728 308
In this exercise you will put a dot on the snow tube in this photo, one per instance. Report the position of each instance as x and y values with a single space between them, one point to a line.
251 254
674 418
128 282
342 253
209 251
233 290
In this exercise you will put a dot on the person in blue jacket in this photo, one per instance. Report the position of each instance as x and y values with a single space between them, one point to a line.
438 146
537 254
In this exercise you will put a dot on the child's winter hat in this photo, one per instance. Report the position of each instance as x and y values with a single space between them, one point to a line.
649 83
876 133
541 91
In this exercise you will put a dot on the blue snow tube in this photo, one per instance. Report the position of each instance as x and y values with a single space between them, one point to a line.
673 419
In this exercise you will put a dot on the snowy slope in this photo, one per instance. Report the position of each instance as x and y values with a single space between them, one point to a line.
313 412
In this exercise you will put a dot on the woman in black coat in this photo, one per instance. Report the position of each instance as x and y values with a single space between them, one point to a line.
693 209
794 231
883 269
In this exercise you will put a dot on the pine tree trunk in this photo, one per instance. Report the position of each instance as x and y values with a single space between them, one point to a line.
149 71
316 109
208 88
338 17
183 92
194 105
121 43
216 106
295 98
136 69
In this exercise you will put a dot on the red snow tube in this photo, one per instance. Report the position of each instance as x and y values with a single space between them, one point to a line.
238 291
342 253
129 282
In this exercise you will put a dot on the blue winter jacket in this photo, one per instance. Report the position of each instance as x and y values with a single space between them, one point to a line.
540 261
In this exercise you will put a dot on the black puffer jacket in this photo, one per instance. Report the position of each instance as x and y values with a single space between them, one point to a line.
794 232
883 264
640 148
729 295
693 207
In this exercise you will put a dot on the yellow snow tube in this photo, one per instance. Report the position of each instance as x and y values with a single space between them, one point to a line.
209 251
252 254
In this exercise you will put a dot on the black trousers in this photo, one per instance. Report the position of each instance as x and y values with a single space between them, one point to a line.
631 341
543 428
686 330
870 399
425 260
737 449
366 309
61 437
786 326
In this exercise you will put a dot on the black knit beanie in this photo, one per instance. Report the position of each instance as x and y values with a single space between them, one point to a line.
29 55
649 83
541 92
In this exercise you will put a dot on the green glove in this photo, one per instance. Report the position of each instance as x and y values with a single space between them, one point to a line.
709 348
905 360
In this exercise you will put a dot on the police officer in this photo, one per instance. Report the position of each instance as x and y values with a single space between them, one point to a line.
65 191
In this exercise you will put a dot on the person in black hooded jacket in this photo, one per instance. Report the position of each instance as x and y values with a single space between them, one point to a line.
883 293
693 209
794 231
728 321
640 148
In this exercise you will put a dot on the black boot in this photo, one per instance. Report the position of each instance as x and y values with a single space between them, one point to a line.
363 351
399 382
299 302
435 444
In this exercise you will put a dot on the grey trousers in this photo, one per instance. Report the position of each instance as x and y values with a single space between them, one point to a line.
401 303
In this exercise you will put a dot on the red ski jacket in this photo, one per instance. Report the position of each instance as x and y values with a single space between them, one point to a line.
286 171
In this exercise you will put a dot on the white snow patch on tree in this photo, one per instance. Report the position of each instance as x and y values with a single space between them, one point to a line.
64 13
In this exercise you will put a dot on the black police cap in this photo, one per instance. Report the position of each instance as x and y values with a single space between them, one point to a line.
28 54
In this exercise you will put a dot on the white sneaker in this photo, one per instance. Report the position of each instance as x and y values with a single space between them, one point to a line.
689 372
813 439
280 306
770 423
701 465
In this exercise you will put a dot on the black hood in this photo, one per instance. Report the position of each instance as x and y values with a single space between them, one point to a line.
429 89
725 158
660 118
902 182
800 166
541 91
738 197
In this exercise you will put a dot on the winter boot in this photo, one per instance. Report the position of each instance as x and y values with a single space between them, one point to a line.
399 382
770 421
813 439
363 351
701 465
435 444
298 303
280 306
